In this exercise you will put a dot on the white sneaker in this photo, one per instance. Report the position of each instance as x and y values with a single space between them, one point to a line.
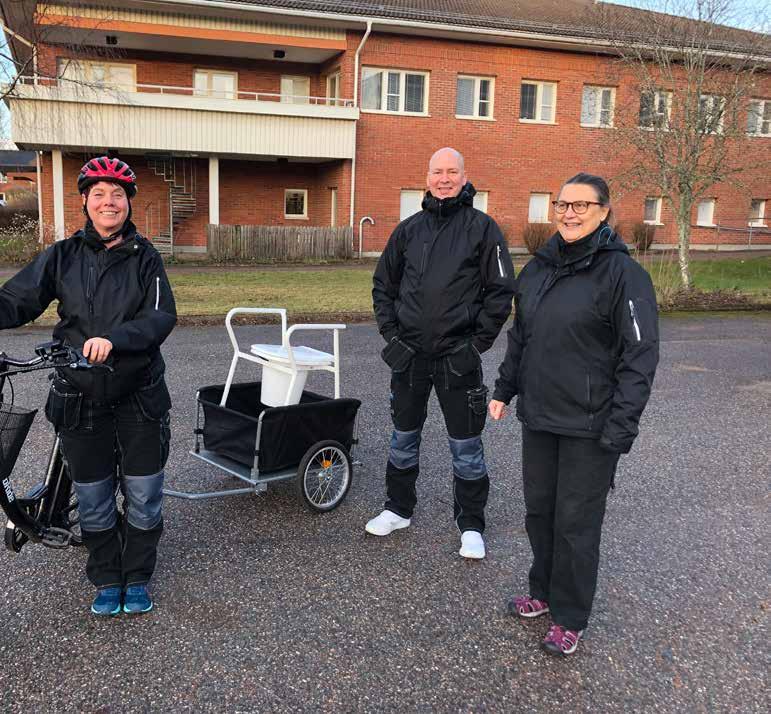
386 523
472 545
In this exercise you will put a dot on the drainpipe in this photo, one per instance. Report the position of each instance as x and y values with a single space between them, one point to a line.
361 231
356 129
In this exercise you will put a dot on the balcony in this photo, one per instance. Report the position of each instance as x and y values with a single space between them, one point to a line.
47 114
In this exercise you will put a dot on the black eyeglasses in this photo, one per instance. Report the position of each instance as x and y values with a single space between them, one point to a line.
579 207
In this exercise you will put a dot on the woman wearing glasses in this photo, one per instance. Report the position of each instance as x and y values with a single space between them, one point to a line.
581 357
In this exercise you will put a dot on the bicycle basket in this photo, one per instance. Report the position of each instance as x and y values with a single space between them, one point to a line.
14 427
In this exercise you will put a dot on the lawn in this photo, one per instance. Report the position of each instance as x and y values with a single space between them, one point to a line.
347 291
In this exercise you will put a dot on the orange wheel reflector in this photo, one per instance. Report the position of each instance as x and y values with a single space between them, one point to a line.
326 463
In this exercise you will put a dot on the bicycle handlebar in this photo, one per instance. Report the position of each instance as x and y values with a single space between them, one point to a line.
48 354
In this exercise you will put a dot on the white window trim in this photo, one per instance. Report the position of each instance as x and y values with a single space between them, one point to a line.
334 101
63 62
479 196
657 221
402 94
760 133
719 129
598 125
293 98
657 94
420 191
208 71
475 116
548 207
295 216
761 221
539 84
712 224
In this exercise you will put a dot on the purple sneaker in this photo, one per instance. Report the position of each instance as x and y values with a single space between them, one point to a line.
560 641
528 607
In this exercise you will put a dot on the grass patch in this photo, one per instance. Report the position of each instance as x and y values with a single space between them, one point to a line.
346 292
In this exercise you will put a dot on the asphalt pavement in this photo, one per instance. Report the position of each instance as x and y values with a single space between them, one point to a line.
262 606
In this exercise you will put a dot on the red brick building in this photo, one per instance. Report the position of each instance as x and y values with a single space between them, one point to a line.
272 112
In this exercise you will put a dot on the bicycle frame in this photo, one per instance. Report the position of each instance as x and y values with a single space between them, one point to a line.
40 515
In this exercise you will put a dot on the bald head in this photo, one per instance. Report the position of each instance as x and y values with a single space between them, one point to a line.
446 173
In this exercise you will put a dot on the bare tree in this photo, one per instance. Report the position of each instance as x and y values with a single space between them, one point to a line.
696 78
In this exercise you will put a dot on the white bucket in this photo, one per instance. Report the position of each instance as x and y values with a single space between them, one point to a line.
275 385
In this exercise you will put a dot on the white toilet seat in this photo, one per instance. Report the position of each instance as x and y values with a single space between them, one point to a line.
303 356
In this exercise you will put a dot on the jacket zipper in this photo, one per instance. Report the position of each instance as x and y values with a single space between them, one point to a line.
91 289
634 321
589 397
157 291
423 258
500 265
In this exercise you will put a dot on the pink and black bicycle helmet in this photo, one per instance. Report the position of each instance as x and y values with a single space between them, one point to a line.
103 168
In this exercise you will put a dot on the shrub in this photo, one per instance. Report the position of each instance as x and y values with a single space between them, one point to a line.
643 235
18 238
535 235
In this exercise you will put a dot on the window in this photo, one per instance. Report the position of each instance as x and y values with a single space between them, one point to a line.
295 90
333 89
394 91
333 207
711 110
652 212
597 106
538 212
759 117
474 98
654 109
480 201
537 102
103 74
295 203
216 84
410 203
757 212
705 213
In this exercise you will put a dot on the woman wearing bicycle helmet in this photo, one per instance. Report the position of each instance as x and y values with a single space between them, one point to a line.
115 303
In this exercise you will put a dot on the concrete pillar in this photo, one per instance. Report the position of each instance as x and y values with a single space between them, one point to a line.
214 190
58 186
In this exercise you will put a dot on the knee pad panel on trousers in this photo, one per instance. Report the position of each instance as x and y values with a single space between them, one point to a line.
405 448
144 495
468 458
96 504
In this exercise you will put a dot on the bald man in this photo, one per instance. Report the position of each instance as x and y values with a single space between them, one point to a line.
442 290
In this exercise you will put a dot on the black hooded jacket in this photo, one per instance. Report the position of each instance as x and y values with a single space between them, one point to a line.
121 294
444 278
583 348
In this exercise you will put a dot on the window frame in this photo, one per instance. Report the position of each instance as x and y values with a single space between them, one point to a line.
477 78
713 97
402 91
530 204
296 216
712 223
479 195
293 98
539 84
656 96
63 62
764 104
209 72
402 191
657 220
334 101
760 221
598 107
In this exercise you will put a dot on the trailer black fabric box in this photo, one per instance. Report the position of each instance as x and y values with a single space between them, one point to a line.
287 432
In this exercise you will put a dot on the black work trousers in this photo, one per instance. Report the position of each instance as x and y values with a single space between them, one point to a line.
566 484
122 548
463 400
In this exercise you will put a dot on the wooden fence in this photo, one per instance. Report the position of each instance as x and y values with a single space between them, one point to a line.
278 244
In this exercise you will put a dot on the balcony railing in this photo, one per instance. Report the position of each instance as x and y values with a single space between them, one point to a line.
166 89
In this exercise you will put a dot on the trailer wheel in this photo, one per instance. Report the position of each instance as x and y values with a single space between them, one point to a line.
324 476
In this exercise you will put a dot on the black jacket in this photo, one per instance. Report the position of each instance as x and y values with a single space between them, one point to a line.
584 346
445 277
121 294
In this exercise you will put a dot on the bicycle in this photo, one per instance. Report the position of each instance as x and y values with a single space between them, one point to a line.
48 513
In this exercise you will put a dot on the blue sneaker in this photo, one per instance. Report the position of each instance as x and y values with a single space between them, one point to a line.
137 600
106 602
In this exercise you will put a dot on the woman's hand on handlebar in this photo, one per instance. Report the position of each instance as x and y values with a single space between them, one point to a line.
97 349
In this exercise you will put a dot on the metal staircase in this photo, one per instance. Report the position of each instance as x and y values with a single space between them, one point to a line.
180 175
